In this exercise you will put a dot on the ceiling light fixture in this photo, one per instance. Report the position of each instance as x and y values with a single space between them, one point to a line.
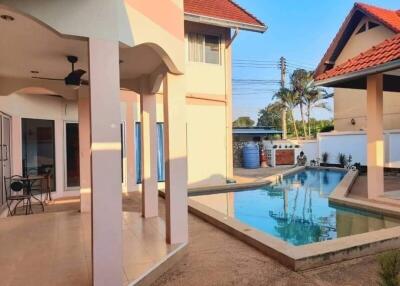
7 18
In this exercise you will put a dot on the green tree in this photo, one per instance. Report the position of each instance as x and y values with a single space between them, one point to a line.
243 121
299 80
309 96
271 116
288 99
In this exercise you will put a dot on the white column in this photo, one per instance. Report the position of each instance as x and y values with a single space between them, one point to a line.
148 111
375 149
16 147
176 159
106 163
84 149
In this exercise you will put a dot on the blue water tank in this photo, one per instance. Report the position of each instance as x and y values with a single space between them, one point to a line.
251 156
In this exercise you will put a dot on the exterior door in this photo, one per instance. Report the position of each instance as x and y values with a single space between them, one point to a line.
38 148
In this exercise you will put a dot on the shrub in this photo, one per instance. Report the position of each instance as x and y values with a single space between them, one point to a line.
389 264
325 157
342 159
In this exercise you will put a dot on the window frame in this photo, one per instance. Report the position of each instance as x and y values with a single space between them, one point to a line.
203 36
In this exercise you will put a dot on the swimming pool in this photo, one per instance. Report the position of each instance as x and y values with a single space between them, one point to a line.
296 209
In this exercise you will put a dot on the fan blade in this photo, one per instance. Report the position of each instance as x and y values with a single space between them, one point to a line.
47 78
77 73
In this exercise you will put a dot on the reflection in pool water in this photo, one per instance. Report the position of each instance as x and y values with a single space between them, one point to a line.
297 210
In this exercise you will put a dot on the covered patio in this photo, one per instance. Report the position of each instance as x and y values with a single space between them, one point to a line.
100 244
376 71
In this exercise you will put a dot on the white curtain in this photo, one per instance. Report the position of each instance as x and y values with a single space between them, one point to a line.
196 50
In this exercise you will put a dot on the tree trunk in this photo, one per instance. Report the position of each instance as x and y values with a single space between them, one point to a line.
284 124
294 125
302 119
308 120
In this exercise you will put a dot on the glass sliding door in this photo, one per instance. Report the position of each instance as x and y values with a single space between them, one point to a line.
72 155
38 152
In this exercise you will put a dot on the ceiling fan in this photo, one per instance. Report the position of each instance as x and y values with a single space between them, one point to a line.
74 78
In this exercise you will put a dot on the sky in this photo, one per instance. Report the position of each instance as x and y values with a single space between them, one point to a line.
300 31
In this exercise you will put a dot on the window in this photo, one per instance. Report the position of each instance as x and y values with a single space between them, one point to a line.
72 154
367 26
372 25
160 152
204 48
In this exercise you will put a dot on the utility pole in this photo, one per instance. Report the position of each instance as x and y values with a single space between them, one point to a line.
282 66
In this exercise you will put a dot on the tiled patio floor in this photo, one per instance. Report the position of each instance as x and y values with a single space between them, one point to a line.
392 188
54 248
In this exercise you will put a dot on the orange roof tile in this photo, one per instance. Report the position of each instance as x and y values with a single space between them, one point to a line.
221 9
386 52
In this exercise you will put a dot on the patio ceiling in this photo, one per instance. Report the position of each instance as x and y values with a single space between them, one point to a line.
29 46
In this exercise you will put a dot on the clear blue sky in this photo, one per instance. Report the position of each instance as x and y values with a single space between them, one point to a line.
301 31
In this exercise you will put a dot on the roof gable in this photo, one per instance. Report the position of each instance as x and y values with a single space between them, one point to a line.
384 53
225 10
388 18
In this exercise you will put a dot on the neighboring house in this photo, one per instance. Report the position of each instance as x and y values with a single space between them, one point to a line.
365 27
369 70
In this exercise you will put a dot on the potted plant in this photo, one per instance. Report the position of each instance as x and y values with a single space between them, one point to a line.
342 160
325 157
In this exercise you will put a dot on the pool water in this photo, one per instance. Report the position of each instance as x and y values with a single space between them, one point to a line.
297 210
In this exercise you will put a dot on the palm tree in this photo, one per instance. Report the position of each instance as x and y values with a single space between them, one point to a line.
299 80
314 97
286 98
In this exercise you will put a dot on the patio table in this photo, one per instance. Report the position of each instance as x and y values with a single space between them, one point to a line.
29 182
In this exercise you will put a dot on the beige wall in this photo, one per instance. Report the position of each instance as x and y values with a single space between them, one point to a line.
352 103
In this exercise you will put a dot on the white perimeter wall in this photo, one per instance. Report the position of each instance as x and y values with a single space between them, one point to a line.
351 143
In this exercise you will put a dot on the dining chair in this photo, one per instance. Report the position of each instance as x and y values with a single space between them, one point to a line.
16 192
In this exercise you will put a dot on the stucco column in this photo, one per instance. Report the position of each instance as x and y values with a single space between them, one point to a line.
105 120
375 149
16 141
84 149
148 115
176 159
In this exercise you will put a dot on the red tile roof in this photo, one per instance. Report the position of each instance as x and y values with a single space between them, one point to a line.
383 53
221 9
390 18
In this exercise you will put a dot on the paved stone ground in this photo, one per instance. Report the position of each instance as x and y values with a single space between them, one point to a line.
252 175
214 257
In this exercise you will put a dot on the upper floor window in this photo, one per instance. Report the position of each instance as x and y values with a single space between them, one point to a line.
204 48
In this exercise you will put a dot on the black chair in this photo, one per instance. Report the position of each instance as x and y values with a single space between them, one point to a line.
16 191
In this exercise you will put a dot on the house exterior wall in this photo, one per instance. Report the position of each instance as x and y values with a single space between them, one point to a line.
352 103
208 101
